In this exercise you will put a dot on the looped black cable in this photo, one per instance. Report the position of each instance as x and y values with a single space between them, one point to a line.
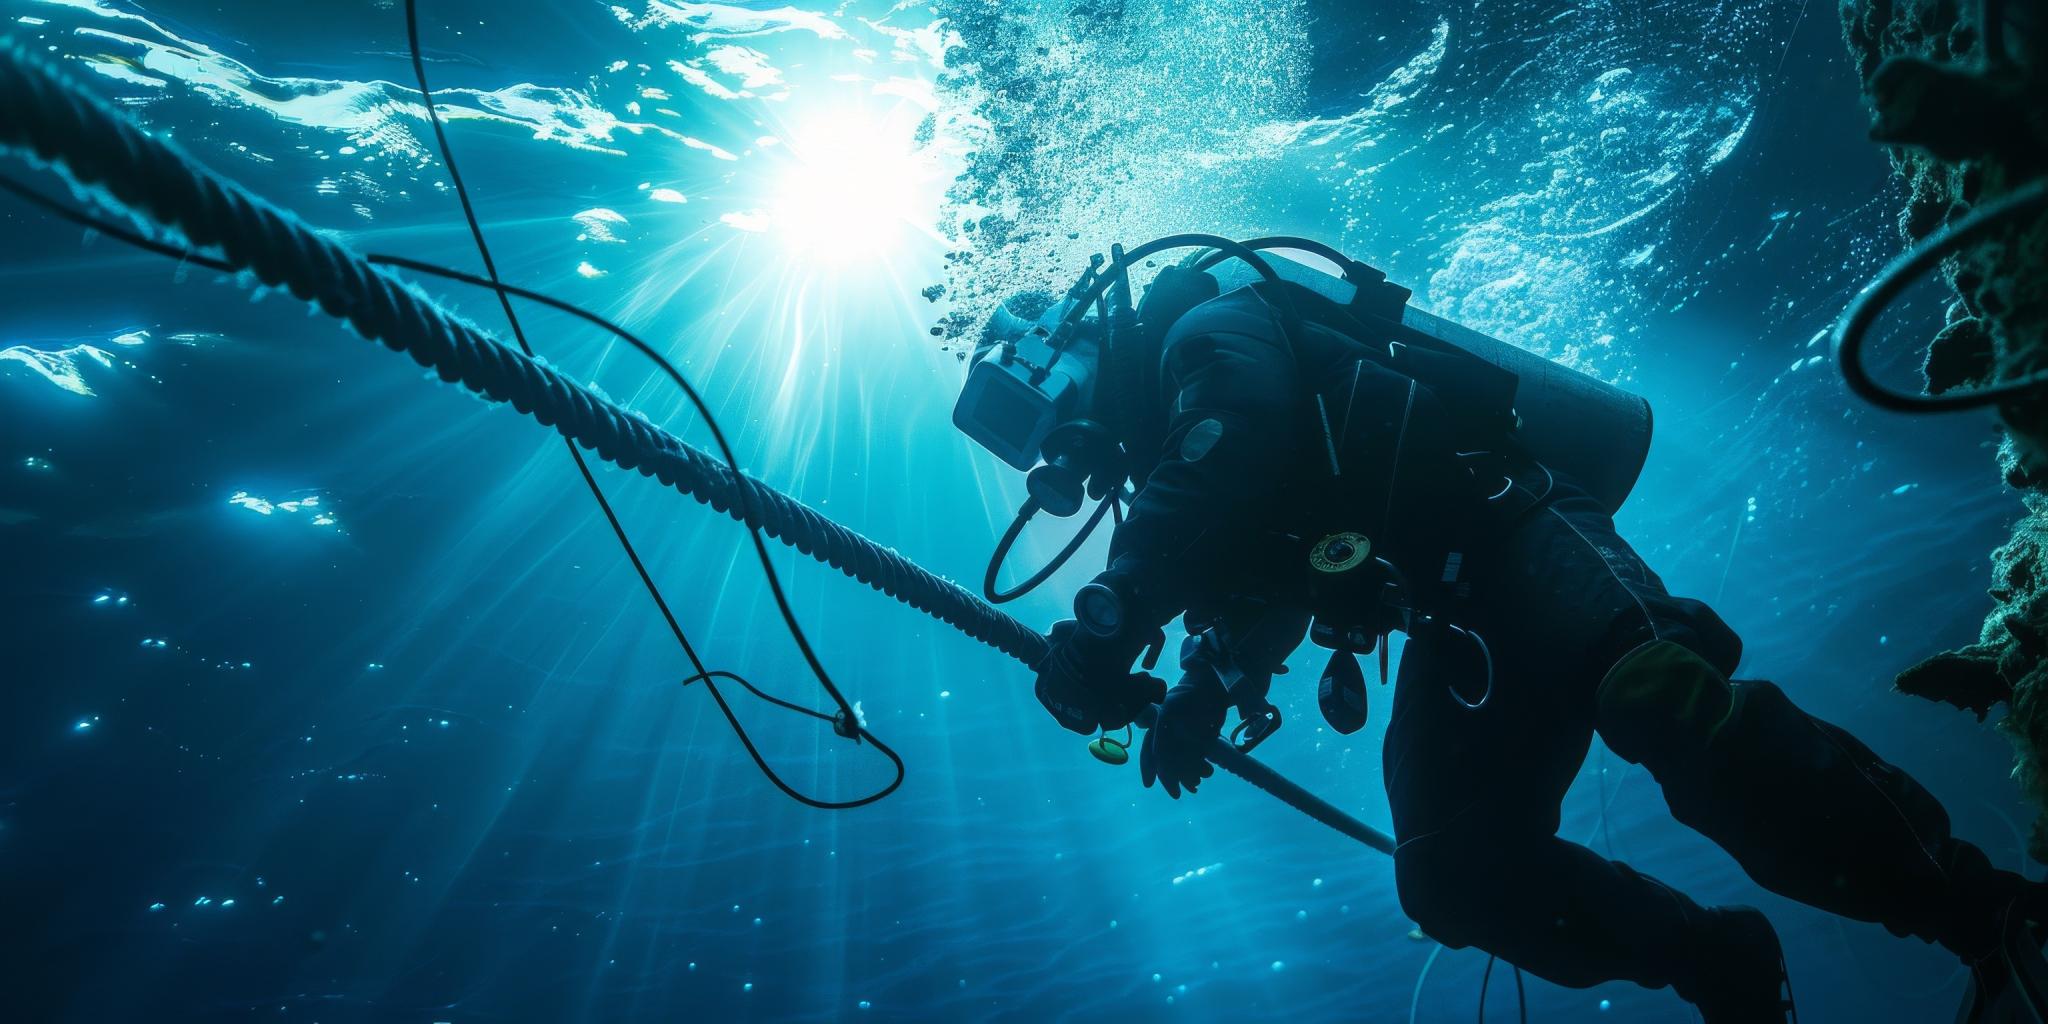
702 673
185 255
140 241
707 677
796 633
747 741
1854 327
1030 508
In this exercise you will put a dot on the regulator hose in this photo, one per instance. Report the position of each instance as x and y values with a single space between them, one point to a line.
992 591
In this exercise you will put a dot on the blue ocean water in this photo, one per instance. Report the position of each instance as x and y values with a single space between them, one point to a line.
330 696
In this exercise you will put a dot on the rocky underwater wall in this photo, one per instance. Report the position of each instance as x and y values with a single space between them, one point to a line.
1967 124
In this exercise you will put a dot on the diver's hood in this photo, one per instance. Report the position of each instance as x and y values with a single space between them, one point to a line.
1039 368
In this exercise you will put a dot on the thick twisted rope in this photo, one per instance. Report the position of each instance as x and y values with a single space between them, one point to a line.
99 148
48 119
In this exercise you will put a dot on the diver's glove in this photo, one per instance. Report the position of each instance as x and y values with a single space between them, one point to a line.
1175 748
1087 683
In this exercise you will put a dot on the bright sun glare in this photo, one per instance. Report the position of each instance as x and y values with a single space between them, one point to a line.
853 187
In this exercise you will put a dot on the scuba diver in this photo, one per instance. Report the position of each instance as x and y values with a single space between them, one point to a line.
1310 457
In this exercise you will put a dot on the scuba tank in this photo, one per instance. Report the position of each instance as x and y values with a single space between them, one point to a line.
1020 391
1572 422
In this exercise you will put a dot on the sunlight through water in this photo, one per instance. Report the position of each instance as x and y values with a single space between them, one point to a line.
853 187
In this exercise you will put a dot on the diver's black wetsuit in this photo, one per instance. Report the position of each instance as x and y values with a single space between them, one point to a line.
1807 810
1584 638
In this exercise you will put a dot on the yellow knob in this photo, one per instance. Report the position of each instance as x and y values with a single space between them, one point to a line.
1109 751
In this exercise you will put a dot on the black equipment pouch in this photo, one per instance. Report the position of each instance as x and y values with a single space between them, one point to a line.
1340 694
1393 504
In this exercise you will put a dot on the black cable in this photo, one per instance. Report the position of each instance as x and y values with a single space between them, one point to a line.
1854 327
1485 979
996 595
1521 998
1106 276
847 715
122 234
113 230
707 676
1264 242
476 231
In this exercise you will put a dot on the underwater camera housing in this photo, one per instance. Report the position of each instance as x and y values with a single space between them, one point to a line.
1025 400
1029 392
1018 387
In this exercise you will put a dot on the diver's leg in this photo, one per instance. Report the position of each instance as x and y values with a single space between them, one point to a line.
1475 797
1478 864
1807 810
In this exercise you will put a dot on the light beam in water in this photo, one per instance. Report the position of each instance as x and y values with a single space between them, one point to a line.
854 186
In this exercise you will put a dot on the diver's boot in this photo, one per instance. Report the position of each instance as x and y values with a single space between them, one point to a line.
2011 985
1738 970
1807 810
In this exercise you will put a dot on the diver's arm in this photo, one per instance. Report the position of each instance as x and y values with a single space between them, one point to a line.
1230 425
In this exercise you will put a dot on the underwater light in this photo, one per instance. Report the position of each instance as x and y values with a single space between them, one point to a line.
853 187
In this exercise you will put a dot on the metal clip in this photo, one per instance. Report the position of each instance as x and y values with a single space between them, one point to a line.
1255 727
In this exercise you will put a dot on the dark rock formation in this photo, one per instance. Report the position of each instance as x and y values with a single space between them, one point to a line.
1959 90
